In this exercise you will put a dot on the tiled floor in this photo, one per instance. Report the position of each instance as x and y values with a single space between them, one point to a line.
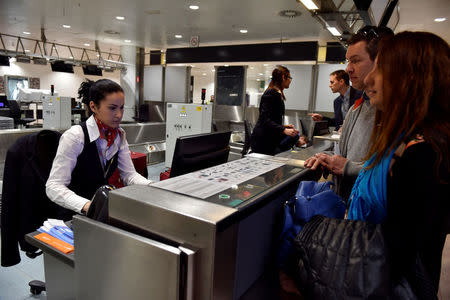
14 280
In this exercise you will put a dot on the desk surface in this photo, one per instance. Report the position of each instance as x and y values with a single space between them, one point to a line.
329 137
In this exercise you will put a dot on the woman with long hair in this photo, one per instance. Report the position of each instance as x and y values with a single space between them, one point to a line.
89 153
270 136
405 181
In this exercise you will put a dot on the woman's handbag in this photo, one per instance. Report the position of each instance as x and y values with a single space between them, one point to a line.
347 259
311 198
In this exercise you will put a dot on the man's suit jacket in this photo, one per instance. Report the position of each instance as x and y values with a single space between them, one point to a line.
338 117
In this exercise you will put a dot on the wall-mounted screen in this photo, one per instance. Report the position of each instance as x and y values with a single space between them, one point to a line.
14 84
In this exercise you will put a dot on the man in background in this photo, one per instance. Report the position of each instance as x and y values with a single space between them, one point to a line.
339 83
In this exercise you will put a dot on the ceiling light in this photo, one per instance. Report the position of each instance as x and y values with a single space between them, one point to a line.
162 51
120 18
87 45
127 41
98 55
309 4
334 31
257 79
440 19
252 68
243 31
204 74
26 32
66 26
265 65
194 7
178 36
226 65
213 70
71 57
26 50
260 74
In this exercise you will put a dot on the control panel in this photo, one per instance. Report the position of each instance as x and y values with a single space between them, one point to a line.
185 119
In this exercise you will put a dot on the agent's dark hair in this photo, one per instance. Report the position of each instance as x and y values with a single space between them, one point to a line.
341 74
372 35
279 74
416 80
97 91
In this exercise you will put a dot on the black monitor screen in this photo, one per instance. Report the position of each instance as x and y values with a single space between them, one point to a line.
4 60
92 70
61 66
200 151
3 102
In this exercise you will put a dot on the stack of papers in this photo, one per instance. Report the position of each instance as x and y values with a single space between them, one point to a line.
56 234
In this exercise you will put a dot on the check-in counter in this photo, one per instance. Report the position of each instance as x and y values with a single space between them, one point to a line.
161 244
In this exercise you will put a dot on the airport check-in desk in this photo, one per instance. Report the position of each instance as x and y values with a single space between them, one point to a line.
165 245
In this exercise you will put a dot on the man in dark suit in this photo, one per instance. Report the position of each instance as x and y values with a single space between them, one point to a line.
339 83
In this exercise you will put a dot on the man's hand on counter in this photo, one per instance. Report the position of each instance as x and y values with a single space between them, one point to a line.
333 163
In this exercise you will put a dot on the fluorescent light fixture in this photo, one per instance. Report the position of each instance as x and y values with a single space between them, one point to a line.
71 57
66 26
213 70
26 50
440 19
309 4
265 65
127 41
257 79
178 36
260 74
120 18
243 31
194 7
26 32
87 45
334 31
204 74
226 65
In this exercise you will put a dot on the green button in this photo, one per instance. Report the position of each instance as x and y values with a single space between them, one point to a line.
224 196
235 202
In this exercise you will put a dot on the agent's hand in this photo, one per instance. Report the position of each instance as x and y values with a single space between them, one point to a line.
316 117
290 132
86 207
289 126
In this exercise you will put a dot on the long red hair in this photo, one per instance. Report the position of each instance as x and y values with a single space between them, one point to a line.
416 94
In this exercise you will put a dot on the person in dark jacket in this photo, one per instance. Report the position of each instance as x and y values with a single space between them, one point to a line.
340 83
89 153
270 136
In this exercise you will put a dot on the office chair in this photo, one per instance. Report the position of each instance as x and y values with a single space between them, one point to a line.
248 128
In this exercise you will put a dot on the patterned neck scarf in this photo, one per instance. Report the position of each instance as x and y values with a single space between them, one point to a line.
107 133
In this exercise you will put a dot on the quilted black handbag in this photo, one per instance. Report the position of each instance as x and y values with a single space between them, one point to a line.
346 259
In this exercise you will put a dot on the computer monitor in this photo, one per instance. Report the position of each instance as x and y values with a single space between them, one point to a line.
200 151
3 101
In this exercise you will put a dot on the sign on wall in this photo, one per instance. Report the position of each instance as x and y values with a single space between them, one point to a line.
35 83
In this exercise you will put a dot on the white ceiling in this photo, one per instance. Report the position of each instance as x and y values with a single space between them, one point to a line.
153 24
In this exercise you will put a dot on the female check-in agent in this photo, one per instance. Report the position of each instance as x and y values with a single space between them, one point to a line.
89 153
269 135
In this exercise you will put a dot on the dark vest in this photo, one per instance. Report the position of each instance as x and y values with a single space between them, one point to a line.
88 174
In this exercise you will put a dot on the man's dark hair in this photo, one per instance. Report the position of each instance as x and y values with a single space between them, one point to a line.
372 35
341 74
